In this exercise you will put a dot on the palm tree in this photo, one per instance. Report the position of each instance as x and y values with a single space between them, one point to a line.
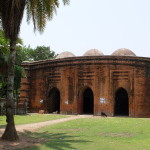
11 14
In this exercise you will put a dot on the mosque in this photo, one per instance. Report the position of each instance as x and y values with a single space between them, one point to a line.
116 84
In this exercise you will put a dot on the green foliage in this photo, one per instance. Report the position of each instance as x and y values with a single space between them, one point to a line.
3 86
41 11
30 54
42 53
4 44
23 54
4 50
17 80
11 14
4 54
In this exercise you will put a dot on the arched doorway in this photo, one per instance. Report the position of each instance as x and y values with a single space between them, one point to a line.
53 102
88 101
121 103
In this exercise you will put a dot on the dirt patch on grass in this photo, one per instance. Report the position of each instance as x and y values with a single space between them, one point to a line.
23 142
117 134
26 141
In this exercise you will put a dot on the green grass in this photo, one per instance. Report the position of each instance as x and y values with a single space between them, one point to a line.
25 119
95 134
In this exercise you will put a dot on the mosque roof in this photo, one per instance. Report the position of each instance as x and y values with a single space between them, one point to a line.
93 52
65 55
123 52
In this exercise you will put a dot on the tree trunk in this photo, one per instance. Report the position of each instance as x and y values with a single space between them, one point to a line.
10 133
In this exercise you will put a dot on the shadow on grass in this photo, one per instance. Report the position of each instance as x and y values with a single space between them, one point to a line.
2 126
56 141
23 115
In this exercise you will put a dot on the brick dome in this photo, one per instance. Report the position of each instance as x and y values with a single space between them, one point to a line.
93 52
123 52
65 55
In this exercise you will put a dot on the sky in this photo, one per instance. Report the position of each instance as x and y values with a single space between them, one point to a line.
106 25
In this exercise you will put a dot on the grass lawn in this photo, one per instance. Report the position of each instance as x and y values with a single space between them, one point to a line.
95 134
25 119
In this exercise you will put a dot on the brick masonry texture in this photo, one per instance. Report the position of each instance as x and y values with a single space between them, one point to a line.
70 77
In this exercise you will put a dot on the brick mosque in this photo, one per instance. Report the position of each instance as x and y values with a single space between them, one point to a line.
116 84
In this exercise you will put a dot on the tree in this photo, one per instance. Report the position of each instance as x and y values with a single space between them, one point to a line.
30 54
17 80
42 53
11 14
24 54
4 52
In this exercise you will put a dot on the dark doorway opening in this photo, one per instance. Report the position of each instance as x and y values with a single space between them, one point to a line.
53 103
121 103
88 101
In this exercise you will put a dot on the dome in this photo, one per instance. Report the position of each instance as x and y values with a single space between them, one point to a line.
123 52
65 55
93 52
26 62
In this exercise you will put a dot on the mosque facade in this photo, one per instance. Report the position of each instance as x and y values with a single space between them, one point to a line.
115 85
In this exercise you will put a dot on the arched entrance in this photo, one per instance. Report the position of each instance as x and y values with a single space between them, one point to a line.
122 103
53 102
88 101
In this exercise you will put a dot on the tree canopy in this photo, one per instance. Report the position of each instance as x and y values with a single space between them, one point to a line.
23 54
30 54
11 14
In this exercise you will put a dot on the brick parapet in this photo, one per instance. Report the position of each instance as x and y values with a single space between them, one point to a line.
103 74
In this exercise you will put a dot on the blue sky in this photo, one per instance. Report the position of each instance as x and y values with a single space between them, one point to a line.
106 25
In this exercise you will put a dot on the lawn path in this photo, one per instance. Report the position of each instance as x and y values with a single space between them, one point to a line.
34 126
25 142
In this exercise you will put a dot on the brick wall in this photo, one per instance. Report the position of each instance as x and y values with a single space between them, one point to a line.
104 75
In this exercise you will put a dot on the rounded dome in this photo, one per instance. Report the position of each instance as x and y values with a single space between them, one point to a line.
123 52
26 61
93 52
65 55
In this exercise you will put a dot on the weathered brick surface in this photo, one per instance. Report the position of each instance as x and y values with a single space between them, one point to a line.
104 75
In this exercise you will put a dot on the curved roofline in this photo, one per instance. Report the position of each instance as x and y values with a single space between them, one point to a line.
65 54
89 58
93 52
123 52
